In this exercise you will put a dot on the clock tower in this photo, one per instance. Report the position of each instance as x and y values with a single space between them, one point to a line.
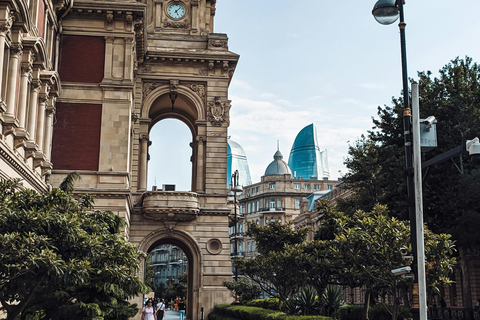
126 65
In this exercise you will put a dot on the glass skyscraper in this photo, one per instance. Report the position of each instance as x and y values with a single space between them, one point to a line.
306 160
237 160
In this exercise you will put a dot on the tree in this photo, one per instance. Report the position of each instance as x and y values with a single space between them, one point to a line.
367 247
280 267
243 290
450 188
61 259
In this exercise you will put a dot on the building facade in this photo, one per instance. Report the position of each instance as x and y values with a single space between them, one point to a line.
82 83
277 197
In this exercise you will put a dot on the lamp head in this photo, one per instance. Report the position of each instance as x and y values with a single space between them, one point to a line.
386 11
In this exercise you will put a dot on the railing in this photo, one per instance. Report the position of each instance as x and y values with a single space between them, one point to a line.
453 313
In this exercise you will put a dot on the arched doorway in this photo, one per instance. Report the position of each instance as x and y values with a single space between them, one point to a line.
192 253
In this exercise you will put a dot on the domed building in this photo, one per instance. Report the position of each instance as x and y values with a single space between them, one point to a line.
277 197
306 160
237 160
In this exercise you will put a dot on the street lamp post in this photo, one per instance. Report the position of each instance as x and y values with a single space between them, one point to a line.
235 190
387 12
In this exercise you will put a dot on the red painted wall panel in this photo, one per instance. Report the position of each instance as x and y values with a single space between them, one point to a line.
41 18
82 59
76 136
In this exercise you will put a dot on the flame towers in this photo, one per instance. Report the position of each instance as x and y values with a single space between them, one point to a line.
306 160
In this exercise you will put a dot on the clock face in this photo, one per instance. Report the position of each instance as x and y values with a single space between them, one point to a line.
176 10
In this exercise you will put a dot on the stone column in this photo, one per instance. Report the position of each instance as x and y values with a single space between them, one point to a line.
158 14
108 57
32 109
16 52
142 175
41 121
23 94
5 27
195 15
200 163
47 142
128 66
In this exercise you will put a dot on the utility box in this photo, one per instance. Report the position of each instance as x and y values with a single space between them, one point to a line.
428 135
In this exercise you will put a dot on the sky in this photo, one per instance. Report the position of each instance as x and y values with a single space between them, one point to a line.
323 62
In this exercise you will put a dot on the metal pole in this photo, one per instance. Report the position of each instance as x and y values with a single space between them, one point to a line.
417 161
235 229
407 127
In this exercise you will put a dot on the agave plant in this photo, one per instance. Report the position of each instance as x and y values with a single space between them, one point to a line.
307 300
332 299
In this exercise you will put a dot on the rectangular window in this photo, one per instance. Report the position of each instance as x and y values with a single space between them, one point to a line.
272 203
249 208
258 206
257 189
279 203
297 203
297 186
330 187
316 187
272 185
307 187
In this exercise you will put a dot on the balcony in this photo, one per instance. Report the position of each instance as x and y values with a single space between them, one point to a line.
170 206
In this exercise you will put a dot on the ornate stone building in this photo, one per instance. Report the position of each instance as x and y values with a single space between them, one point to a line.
82 84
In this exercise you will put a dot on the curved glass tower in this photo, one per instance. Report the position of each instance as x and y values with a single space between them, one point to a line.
306 160
237 160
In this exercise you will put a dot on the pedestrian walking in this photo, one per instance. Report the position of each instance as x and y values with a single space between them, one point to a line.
160 309
181 309
148 311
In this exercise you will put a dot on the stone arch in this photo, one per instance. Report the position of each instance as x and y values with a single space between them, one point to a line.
191 249
183 92
190 109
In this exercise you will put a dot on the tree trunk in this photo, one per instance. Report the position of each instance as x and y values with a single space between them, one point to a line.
466 288
366 305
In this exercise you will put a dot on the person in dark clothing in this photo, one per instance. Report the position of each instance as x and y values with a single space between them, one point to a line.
181 309
160 309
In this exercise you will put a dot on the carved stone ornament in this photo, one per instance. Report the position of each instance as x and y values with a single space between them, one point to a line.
199 89
175 24
6 25
150 86
218 43
218 112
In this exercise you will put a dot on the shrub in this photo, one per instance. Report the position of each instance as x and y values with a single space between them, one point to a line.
231 312
270 303
384 312
350 312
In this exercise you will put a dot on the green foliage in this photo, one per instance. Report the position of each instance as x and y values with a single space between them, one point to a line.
176 289
60 259
307 301
384 312
274 236
243 290
229 312
282 265
269 303
350 312
332 300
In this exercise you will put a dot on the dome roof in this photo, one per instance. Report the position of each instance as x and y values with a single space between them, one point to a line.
277 166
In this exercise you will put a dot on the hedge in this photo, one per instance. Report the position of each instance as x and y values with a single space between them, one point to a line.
231 312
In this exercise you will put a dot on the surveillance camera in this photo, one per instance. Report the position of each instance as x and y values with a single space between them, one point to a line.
403 251
401 271
428 122
473 148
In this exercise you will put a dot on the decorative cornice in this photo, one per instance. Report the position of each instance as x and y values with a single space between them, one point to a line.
21 169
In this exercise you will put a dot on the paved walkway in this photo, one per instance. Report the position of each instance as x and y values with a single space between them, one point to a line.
171 315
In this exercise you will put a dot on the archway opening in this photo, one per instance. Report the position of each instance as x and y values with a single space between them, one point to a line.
167 274
170 156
